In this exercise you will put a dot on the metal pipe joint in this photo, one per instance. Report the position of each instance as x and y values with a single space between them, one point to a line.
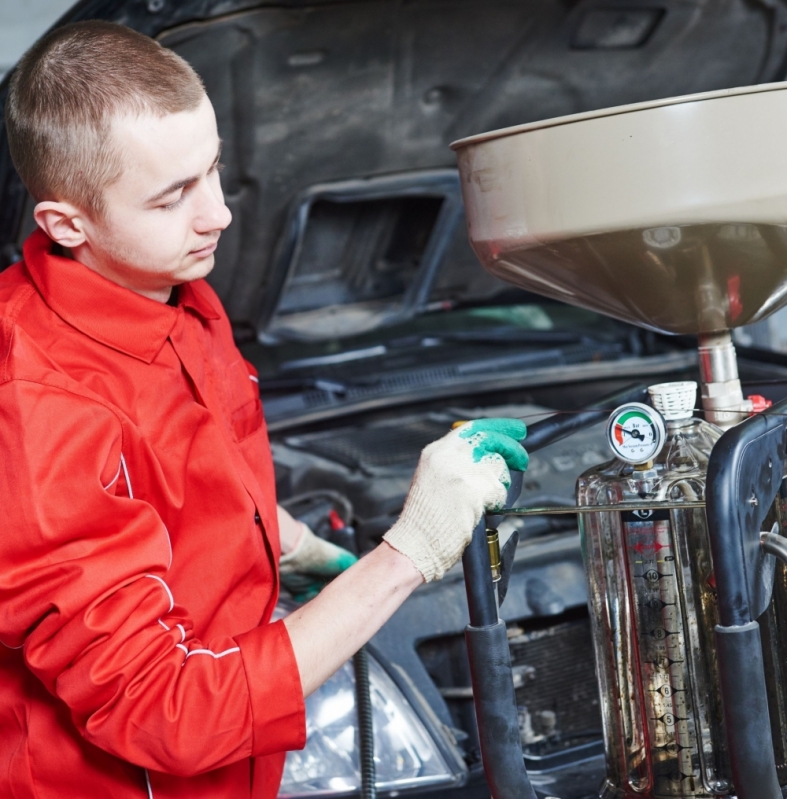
722 395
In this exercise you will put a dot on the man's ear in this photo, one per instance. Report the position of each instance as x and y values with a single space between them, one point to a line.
62 222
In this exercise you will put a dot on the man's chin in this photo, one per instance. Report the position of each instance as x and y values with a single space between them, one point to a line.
197 268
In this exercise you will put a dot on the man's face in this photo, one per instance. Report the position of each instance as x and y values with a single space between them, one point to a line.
166 211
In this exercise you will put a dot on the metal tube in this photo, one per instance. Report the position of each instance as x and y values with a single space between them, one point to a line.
774 544
558 510
722 395
493 542
718 363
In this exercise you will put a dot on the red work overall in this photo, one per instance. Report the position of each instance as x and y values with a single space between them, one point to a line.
138 544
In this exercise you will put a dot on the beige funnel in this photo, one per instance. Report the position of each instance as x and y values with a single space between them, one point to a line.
669 214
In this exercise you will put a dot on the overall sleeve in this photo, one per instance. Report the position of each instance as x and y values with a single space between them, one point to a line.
83 590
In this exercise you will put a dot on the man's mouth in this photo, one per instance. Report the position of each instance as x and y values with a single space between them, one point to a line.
206 250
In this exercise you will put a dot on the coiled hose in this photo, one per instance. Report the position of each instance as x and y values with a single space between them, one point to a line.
363 704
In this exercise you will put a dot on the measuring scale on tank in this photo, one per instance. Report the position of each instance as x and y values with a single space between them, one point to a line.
650 582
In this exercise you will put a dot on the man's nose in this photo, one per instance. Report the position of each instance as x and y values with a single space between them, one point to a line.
212 213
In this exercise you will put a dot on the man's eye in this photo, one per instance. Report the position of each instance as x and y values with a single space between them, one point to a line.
171 206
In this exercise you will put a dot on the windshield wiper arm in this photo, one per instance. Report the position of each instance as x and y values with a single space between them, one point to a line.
516 335
335 358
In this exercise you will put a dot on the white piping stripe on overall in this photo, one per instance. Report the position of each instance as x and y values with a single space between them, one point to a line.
166 588
188 652
215 655
125 474
114 479
131 496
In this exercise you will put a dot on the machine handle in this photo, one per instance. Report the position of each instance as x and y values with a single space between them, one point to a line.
744 476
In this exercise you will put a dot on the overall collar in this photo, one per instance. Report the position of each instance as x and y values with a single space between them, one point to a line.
104 311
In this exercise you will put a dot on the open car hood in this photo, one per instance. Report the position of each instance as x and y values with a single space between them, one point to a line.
323 104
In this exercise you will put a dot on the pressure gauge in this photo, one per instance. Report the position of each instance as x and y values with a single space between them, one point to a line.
636 433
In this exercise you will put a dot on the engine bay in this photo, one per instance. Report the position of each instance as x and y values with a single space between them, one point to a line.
363 472
365 469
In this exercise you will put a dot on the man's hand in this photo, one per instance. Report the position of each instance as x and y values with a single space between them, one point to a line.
458 478
311 564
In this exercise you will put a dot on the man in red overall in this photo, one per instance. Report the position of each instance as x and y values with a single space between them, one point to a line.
140 542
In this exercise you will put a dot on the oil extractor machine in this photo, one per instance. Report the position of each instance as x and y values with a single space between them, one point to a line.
671 215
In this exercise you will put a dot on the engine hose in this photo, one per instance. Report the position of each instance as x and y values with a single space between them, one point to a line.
363 704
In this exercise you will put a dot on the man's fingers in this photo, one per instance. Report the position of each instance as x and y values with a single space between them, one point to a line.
512 452
514 428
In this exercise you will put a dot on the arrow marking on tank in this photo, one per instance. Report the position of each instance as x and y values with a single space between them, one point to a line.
672 748
651 575
654 546
657 604
669 719
660 633
667 690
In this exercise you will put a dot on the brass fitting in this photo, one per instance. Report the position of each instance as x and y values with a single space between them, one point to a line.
493 542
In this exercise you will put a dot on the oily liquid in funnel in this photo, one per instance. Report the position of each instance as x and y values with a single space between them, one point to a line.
683 279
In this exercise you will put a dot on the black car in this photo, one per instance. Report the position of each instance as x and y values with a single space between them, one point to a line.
352 288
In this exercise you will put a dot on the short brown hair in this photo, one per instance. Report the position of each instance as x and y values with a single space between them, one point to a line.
62 98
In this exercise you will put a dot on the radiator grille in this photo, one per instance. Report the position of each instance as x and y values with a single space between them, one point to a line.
556 692
564 681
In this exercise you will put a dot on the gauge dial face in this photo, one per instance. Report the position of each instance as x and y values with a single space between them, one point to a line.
636 433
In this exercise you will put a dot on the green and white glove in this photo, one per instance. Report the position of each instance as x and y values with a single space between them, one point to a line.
312 564
458 477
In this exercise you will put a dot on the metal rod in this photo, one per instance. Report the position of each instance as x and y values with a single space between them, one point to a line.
556 510
774 544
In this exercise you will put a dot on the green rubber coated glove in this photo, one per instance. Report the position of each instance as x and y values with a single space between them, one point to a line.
312 565
458 478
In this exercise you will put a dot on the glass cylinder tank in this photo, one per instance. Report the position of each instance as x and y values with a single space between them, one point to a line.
653 607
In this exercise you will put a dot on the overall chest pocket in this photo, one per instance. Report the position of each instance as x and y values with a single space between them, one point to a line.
243 399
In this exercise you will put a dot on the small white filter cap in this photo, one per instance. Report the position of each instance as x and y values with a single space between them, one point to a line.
674 400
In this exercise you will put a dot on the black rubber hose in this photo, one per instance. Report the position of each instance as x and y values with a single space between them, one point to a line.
481 604
363 704
494 698
541 434
746 718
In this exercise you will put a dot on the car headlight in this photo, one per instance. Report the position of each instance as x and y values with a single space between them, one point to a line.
405 754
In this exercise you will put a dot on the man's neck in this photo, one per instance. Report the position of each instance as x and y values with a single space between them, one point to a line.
167 296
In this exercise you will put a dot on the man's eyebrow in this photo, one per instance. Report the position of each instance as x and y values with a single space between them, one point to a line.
180 184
